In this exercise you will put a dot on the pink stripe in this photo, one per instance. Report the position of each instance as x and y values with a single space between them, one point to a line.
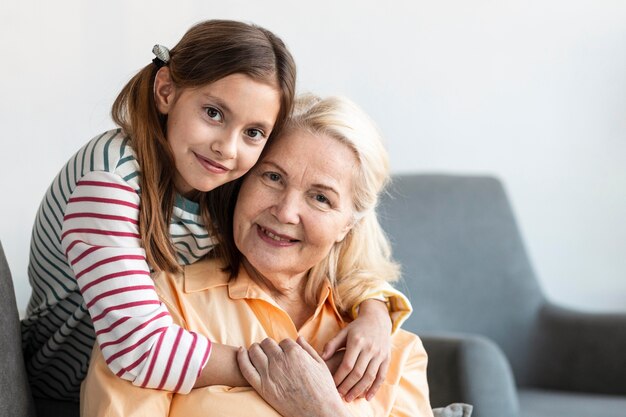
74 243
183 372
118 291
129 334
154 357
100 216
85 253
113 326
170 360
133 347
123 306
101 232
105 184
134 364
103 200
109 260
114 275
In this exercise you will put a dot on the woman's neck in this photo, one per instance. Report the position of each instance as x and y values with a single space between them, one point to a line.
287 291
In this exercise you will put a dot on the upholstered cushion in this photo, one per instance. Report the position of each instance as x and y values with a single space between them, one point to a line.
453 410
15 398
541 403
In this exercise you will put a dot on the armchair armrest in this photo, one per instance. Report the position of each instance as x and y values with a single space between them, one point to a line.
470 369
579 351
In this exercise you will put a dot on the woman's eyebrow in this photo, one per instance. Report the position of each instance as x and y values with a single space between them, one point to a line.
275 166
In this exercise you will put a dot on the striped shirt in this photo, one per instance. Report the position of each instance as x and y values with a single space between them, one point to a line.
90 279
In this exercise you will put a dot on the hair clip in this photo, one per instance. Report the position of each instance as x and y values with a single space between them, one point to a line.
162 55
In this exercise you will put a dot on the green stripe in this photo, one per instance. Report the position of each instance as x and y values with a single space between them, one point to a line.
131 176
186 243
61 258
191 252
47 219
60 189
55 266
123 150
204 236
51 194
185 261
106 151
95 143
67 179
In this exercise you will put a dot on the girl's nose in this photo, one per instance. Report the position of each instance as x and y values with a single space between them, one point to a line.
226 146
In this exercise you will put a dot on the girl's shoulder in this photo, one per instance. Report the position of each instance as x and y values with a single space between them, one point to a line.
110 152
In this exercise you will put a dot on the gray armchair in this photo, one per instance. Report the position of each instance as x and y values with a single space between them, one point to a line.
15 396
493 339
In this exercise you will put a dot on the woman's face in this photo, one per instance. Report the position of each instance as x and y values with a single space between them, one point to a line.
295 204
217 131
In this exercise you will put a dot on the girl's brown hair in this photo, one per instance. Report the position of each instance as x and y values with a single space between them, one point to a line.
209 51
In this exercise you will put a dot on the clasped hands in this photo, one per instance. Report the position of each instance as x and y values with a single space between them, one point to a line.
294 379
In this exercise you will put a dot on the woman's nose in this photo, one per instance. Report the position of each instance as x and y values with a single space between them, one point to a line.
226 146
287 208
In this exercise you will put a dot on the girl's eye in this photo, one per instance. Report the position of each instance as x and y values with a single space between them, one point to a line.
255 134
214 114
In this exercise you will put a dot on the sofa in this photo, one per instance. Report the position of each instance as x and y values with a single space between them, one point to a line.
493 338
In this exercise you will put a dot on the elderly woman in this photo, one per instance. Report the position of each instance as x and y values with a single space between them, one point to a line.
305 243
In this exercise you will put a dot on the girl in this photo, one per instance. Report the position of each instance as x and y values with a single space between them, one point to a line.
136 200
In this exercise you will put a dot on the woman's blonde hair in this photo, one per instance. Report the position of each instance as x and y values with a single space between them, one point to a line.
208 51
362 261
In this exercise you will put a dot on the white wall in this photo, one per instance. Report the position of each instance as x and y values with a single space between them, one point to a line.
531 91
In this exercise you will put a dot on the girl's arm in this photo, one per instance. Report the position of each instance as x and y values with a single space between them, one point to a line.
222 369
138 339
367 341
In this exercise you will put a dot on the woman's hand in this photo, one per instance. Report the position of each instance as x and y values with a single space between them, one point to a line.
367 340
292 378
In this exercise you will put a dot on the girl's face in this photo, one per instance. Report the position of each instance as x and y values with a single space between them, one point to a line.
217 131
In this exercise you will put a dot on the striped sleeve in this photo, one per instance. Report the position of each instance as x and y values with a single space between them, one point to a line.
135 331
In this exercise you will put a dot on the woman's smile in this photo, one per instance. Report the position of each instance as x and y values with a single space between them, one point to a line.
274 238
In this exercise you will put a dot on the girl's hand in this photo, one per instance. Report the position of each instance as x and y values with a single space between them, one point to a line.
367 340
292 378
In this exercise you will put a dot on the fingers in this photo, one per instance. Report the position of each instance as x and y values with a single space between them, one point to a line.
335 343
271 348
309 349
258 358
378 382
248 370
361 378
346 367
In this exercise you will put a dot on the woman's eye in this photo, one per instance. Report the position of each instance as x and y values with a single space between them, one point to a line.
272 176
214 114
321 198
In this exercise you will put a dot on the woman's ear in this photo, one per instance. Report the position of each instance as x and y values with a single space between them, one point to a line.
345 231
164 90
